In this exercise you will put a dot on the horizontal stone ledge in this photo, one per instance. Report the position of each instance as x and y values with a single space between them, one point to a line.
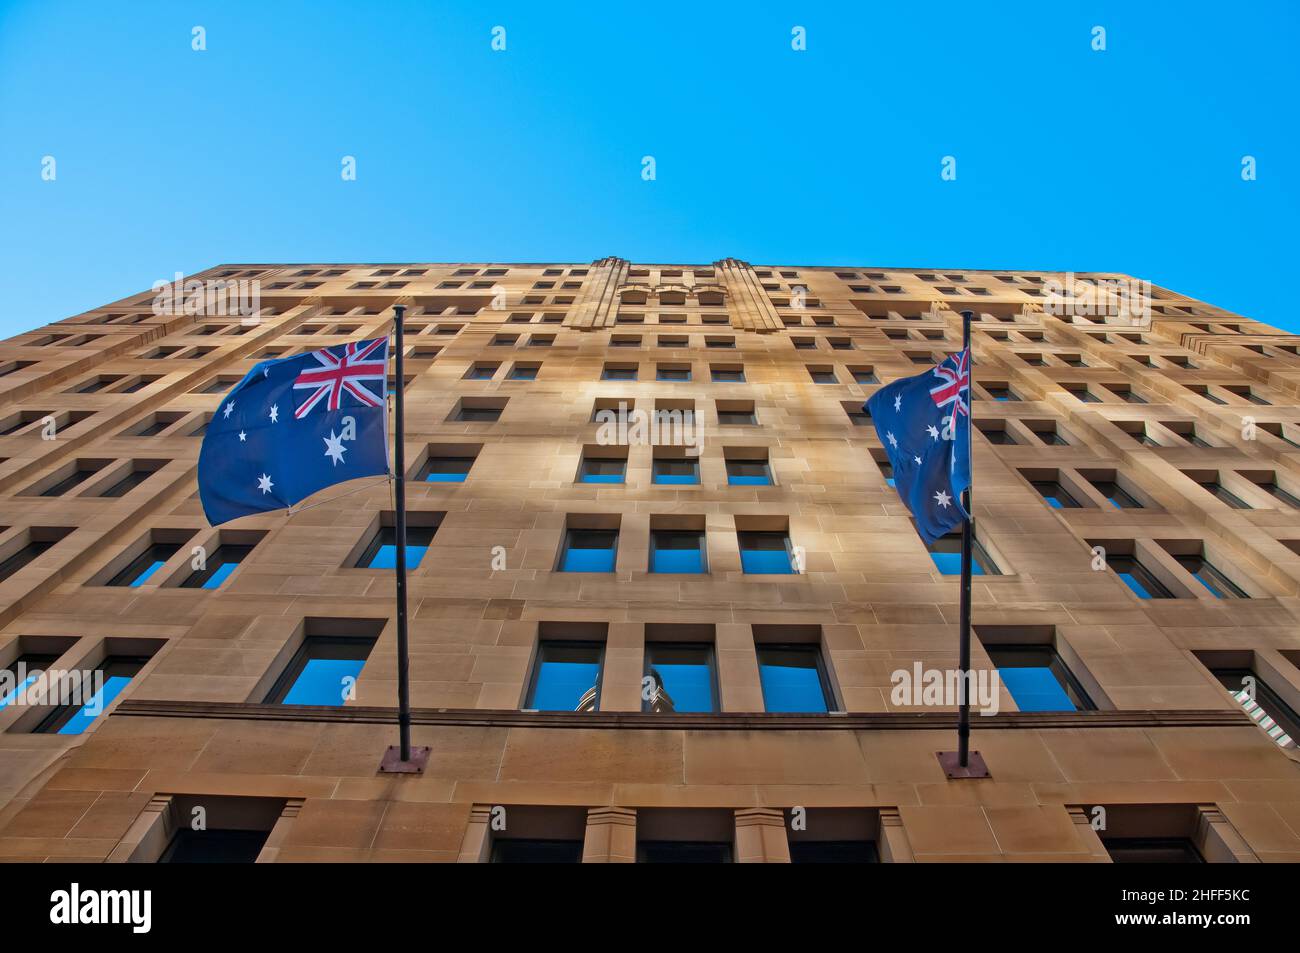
720 721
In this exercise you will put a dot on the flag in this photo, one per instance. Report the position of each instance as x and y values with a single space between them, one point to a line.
294 426
924 424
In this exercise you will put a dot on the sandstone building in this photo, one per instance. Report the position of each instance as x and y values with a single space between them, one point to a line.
728 623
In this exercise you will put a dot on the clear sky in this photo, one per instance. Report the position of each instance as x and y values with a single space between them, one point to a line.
169 159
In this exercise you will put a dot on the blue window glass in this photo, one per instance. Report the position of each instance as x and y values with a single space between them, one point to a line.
79 713
748 473
1037 678
219 567
946 555
792 678
29 665
1138 578
589 550
1218 585
677 551
678 374
382 551
683 677
1118 497
523 372
446 469
140 569
765 553
722 375
1224 494
618 374
566 676
1055 495
865 377
601 470
678 470
323 672
481 372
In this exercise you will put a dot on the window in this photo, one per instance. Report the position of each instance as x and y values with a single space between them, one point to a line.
446 469
766 552
1000 392
735 412
1138 578
479 410
1218 585
73 718
39 539
566 676
602 470
946 555
683 677
1038 679
26 669
66 478
1213 487
1152 850
822 375
996 432
381 553
214 846
678 551
618 372
1263 704
727 375
140 471
481 372
218 568
519 850
139 570
1119 498
523 372
748 471
1055 494
864 375
589 550
675 470
323 671
1083 394
673 372
793 678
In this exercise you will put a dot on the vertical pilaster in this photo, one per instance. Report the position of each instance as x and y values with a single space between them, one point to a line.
610 837
892 842
761 837
597 303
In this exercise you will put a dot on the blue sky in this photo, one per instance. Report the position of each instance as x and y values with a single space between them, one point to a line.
172 160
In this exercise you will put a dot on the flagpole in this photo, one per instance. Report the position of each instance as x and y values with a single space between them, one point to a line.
967 540
399 759
964 763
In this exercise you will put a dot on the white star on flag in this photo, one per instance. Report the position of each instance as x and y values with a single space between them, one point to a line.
918 460
898 402
943 499
230 407
242 436
934 431
334 448
275 412
264 483
893 441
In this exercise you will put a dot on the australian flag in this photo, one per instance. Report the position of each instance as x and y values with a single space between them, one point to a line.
294 426
924 424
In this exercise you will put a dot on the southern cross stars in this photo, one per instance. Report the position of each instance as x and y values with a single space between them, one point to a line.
229 408
275 412
242 436
264 483
898 402
334 448
893 441
943 499
933 431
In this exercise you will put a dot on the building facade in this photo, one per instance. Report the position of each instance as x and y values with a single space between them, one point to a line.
697 626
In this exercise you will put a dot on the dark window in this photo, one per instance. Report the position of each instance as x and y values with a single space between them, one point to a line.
601 470
24 556
683 677
140 569
28 666
1152 850
478 414
754 472
1219 585
1138 578
79 476
1119 498
322 672
214 846
677 551
738 417
1246 686
1055 495
521 851
946 554
127 483
75 717
673 374
446 469
382 551
766 553
1227 496
793 678
618 374
683 852
726 375
679 470
1037 678
218 568
833 852
589 550
1000 436
566 676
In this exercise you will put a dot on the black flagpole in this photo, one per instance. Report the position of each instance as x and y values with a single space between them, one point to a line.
401 759
965 764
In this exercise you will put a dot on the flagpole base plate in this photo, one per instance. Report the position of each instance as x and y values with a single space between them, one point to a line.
392 762
975 766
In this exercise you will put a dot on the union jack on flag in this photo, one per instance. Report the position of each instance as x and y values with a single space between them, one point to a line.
954 386
344 369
